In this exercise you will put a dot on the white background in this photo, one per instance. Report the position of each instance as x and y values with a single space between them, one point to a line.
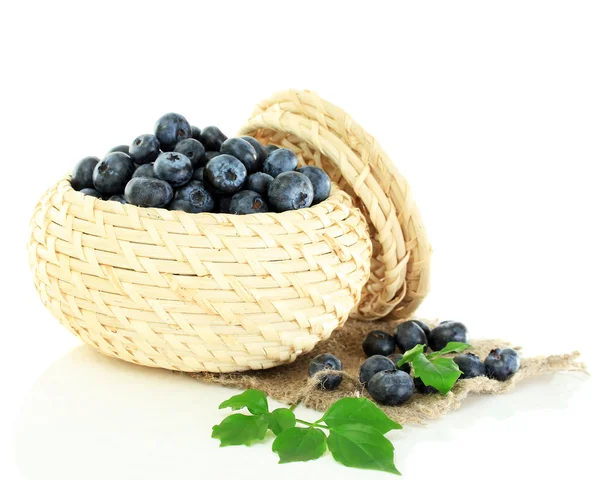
490 109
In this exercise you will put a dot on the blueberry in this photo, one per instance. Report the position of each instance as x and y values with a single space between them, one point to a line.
270 149
470 364
170 129
144 149
502 363
212 138
373 365
211 155
198 174
91 192
112 173
243 151
192 149
259 182
281 160
174 168
258 148
182 205
423 326
197 196
320 181
148 192
226 173
120 148
408 335
224 204
424 389
447 332
196 133
326 361
246 202
146 170
378 342
118 198
82 176
391 387
290 191
395 357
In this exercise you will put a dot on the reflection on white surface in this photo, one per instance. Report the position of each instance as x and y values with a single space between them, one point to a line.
91 417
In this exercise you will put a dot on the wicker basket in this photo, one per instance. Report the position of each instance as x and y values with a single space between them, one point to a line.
223 293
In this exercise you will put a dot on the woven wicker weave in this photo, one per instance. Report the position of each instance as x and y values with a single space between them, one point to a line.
222 293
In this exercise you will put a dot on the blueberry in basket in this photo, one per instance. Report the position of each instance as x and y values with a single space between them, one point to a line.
112 173
144 149
247 201
280 161
82 176
170 129
320 181
193 150
290 191
243 151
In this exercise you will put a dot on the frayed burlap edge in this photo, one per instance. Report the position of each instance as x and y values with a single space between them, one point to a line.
290 384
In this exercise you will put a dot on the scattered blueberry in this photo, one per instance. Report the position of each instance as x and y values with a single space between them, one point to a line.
502 363
226 173
197 196
470 364
326 361
174 168
423 326
320 181
243 151
144 149
445 332
378 342
424 389
395 357
192 149
170 129
196 133
391 387
290 191
247 201
408 335
112 173
279 161
82 176
120 148
198 174
270 149
91 192
212 138
146 170
373 365
259 182
118 198
258 148
148 192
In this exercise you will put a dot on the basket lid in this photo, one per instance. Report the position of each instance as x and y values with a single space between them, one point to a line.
324 135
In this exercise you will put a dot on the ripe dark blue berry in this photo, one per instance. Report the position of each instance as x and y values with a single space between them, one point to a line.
144 149
170 129
196 133
290 191
320 181
118 198
424 389
198 174
146 170
112 173
192 149
91 192
391 387
243 151
423 326
174 168
326 361
502 363
258 147
225 173
408 335
470 365
148 192
447 332
378 342
212 138
247 201
120 148
259 182
395 357
82 176
279 161
182 205
197 196
373 365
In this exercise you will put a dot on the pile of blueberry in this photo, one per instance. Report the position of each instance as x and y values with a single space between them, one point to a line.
181 167
390 385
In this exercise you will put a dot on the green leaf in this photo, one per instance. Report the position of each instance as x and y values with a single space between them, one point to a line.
238 429
409 355
362 446
281 419
254 400
451 347
359 410
440 373
300 444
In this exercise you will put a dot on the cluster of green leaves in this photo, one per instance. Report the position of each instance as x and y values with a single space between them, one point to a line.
433 369
356 430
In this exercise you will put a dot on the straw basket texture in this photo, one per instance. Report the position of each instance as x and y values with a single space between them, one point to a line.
223 293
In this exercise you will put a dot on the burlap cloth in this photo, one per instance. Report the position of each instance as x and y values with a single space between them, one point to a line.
290 384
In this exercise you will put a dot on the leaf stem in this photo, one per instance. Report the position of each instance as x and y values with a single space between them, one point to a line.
293 407
315 424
